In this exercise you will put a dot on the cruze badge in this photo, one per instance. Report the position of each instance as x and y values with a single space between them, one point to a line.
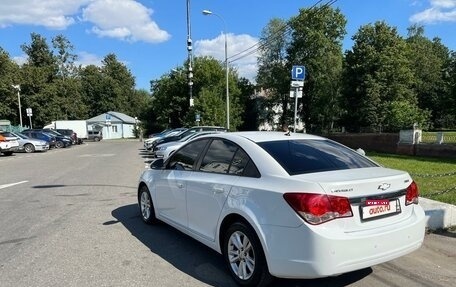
384 186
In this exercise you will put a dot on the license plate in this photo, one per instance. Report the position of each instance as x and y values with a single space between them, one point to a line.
387 208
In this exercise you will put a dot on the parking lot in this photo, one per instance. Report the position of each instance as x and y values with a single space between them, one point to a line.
69 217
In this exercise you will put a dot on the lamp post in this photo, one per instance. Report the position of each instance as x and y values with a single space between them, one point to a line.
18 88
208 12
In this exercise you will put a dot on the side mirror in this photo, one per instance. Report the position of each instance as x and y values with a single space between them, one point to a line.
361 151
157 164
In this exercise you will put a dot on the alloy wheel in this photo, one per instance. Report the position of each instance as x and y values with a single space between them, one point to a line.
145 205
241 255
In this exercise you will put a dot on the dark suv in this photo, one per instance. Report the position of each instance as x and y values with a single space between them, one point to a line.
70 133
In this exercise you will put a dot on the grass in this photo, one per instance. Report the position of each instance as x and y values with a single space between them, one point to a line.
436 177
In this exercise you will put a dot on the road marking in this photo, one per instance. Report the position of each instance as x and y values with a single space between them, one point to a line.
97 155
12 184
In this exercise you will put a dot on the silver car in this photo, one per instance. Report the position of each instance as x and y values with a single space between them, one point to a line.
30 145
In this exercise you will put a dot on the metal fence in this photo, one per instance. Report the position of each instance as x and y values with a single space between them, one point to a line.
439 137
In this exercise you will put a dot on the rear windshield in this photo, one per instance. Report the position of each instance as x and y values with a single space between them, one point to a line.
307 156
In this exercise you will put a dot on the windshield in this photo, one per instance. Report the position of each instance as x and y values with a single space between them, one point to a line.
21 136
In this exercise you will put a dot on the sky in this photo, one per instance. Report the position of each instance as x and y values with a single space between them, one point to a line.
150 36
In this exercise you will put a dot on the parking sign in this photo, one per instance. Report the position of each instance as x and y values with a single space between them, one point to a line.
298 73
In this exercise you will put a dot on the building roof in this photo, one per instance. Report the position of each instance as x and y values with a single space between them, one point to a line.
115 117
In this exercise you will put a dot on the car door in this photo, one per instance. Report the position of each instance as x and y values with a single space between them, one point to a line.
209 186
171 187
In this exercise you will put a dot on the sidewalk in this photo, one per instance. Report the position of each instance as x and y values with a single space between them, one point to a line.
438 214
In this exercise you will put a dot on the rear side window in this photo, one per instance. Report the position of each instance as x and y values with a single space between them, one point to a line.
185 158
307 156
226 157
218 156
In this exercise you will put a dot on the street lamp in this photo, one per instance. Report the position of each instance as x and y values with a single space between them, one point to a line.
208 12
18 88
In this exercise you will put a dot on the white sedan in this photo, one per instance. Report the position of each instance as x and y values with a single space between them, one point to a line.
281 205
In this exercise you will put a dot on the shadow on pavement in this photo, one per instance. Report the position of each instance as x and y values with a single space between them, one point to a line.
199 261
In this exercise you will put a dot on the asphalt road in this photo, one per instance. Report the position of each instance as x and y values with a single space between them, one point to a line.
71 219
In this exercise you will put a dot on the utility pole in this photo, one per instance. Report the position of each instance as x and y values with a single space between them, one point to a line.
190 56
18 88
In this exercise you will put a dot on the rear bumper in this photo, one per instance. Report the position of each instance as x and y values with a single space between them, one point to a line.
319 251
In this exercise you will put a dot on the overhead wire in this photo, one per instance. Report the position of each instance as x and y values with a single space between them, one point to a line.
286 28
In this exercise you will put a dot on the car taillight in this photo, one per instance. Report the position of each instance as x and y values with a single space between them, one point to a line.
319 208
412 194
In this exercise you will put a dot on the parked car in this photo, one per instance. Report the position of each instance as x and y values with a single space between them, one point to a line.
71 134
8 143
165 149
186 133
284 205
95 135
166 133
41 136
61 141
30 145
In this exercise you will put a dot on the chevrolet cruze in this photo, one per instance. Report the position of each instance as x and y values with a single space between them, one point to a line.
284 205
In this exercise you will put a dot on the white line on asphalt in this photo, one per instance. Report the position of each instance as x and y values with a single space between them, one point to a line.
11 184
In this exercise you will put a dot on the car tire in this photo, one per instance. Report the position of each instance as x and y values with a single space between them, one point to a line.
97 139
146 206
29 148
59 144
247 263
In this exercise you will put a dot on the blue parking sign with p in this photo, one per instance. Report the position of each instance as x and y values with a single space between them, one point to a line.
298 73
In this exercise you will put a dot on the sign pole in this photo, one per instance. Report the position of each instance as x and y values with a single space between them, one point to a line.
298 74
295 108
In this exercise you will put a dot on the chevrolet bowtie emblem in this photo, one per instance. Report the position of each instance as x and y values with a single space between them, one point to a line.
384 186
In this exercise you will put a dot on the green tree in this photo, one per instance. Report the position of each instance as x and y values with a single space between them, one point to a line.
251 113
38 74
428 61
122 85
274 72
67 82
377 72
317 36
96 91
449 102
111 87
9 75
170 97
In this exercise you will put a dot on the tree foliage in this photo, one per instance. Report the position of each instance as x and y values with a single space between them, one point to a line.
429 61
377 73
170 96
384 82
57 89
317 44
274 70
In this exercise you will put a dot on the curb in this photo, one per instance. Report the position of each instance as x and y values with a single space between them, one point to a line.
438 214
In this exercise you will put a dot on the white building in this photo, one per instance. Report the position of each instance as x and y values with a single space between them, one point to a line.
114 125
